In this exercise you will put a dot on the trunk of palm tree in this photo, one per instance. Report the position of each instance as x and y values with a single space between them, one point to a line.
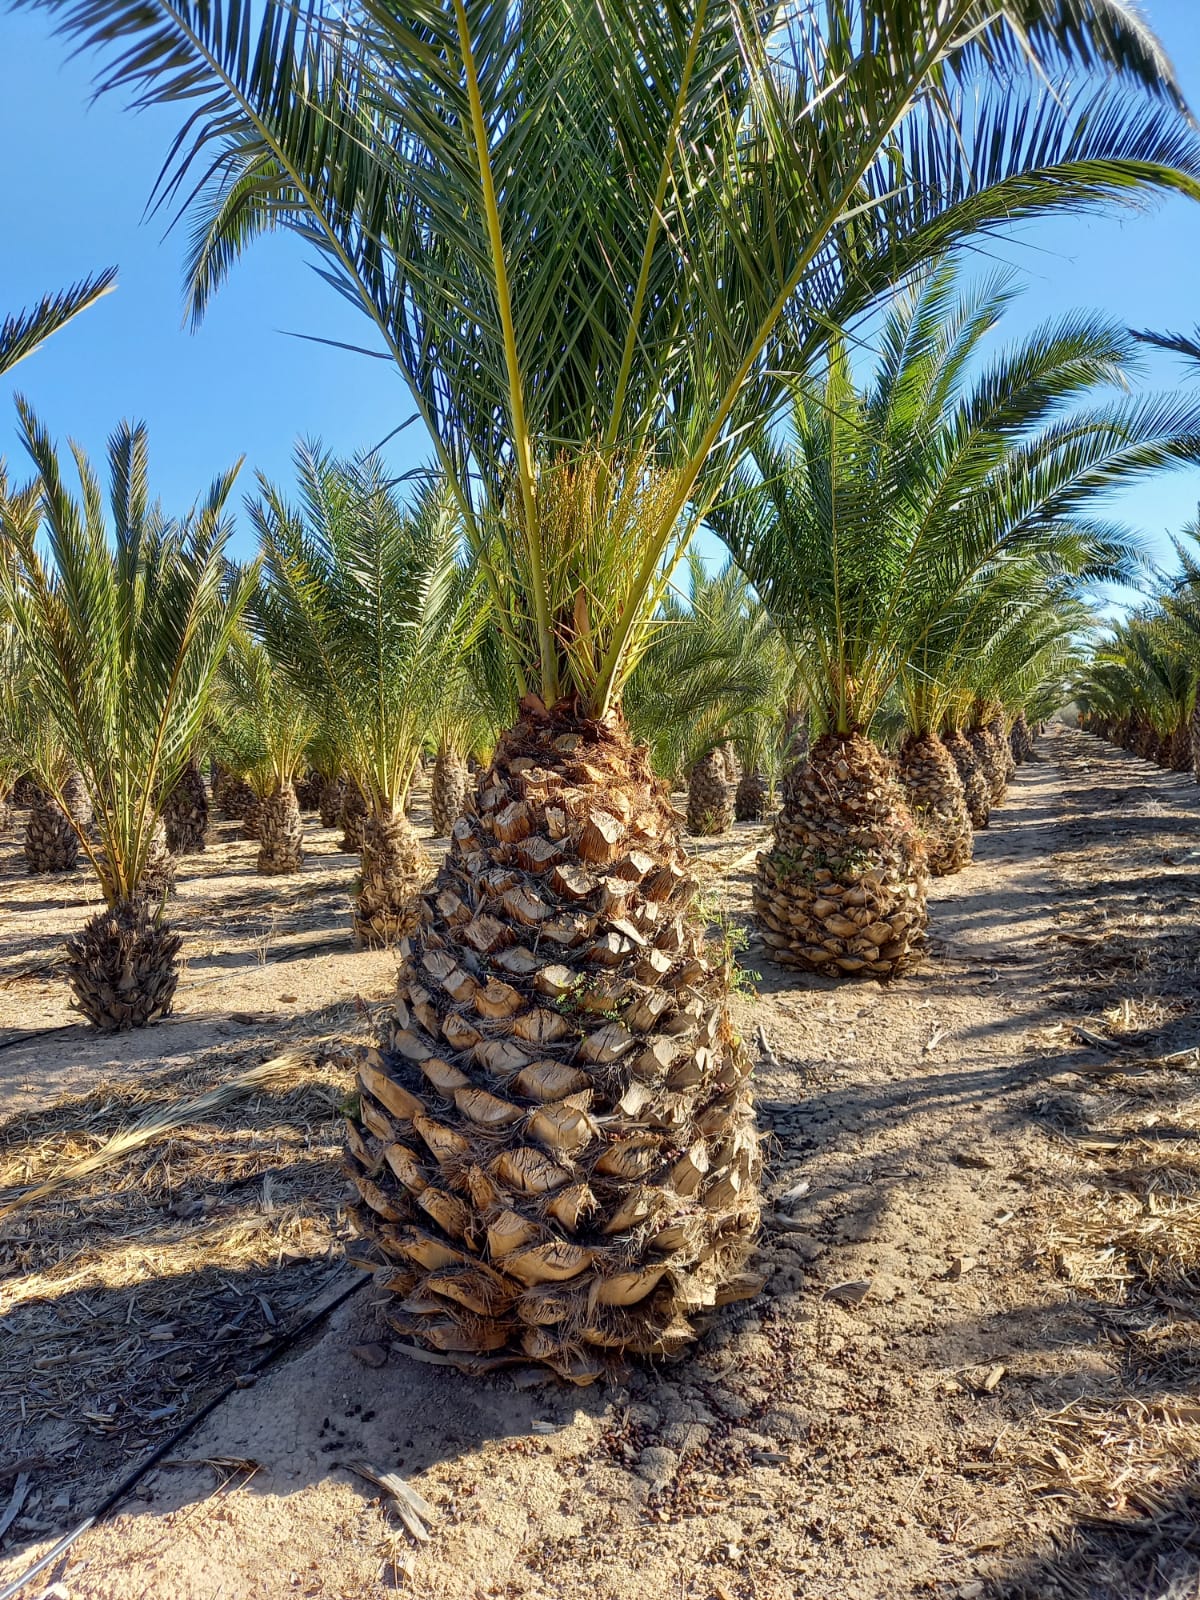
51 843
78 801
709 809
938 802
842 889
333 792
750 798
252 818
1003 744
556 1153
280 832
185 812
235 798
448 790
121 967
351 816
795 737
983 742
1021 739
308 791
1195 733
395 868
731 764
24 791
977 790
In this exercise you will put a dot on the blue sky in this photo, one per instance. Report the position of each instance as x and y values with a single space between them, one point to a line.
75 179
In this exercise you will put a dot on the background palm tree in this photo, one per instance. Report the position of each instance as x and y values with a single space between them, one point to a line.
123 629
367 612
590 249
878 520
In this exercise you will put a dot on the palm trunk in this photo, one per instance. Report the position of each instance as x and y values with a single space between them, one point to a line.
280 832
24 791
235 798
51 843
750 798
983 742
935 794
77 801
555 1152
1021 740
448 790
185 812
395 868
977 790
842 890
333 792
352 816
121 967
1003 745
709 809
1195 732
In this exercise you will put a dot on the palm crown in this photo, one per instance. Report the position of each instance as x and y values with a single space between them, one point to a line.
590 249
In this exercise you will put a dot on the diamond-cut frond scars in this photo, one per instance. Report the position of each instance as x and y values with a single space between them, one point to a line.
555 1151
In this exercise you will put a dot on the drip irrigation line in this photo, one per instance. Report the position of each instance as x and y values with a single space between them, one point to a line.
156 1455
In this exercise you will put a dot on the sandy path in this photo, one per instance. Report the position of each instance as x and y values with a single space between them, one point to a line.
844 1436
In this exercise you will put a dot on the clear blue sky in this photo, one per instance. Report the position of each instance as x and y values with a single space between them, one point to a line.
75 178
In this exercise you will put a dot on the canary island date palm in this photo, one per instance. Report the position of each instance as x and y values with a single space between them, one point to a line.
872 519
185 810
367 609
26 331
261 729
1142 680
583 236
124 626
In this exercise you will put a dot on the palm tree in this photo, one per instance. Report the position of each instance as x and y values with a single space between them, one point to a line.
366 610
123 629
263 725
27 331
590 240
714 661
867 527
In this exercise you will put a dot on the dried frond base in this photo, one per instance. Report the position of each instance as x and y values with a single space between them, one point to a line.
308 791
750 798
25 791
1020 740
555 1150
352 815
842 889
51 843
395 868
709 809
185 813
235 800
935 795
448 791
121 967
280 833
333 792
977 791
77 801
991 762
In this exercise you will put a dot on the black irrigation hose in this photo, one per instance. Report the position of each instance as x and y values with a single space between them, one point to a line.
159 1451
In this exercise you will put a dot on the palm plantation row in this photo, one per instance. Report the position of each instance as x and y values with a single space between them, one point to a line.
625 268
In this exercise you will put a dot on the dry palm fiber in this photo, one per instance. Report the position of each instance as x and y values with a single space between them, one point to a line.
25 791
51 843
162 1121
999 733
280 833
983 741
77 801
935 795
842 889
395 868
333 791
555 1151
185 812
121 967
351 814
750 798
977 790
709 808
235 799
448 791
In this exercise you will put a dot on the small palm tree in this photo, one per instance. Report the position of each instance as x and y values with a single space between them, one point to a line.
592 239
262 727
875 522
367 612
123 628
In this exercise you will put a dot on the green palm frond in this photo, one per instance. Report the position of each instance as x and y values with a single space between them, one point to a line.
593 242
123 628
262 722
27 331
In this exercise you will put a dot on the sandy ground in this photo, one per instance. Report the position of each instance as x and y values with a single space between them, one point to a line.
936 1394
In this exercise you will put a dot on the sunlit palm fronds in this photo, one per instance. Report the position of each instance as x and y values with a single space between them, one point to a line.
26 331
